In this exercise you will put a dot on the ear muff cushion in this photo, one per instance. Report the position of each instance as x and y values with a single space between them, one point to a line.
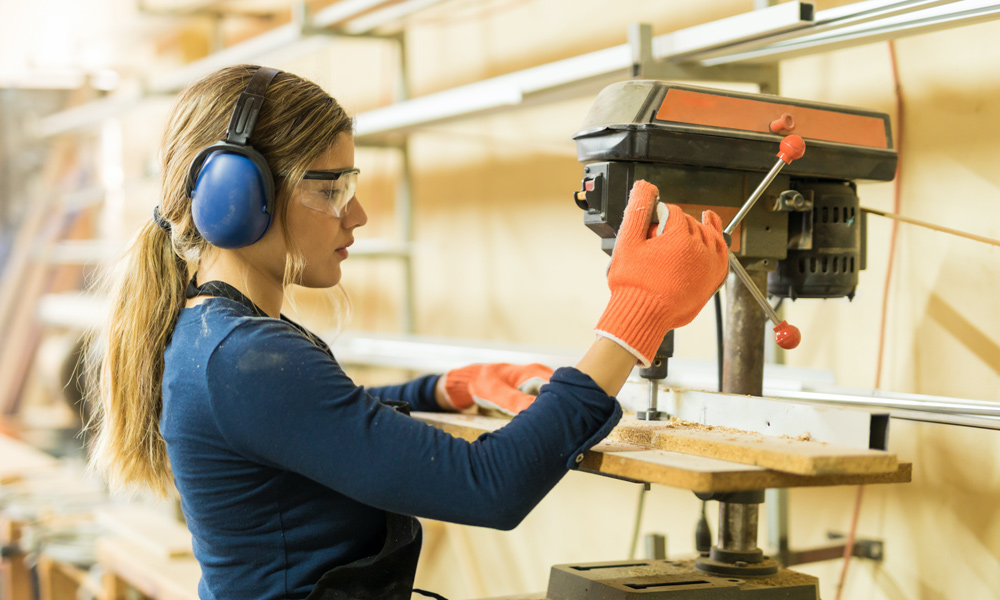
231 197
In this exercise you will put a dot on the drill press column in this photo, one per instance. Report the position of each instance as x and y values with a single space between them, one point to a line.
743 358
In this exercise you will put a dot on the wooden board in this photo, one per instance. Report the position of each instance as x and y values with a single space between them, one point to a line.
154 532
15 576
790 455
155 577
615 458
19 460
700 474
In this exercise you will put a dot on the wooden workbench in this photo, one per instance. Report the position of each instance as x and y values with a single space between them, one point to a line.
19 460
649 464
127 565
146 550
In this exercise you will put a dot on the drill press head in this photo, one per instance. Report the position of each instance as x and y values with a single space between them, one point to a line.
708 149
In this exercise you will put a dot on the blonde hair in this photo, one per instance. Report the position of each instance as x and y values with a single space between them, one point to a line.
298 123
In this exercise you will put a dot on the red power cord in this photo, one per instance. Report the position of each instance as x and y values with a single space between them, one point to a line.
897 187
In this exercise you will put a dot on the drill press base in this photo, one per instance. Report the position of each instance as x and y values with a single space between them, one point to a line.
672 580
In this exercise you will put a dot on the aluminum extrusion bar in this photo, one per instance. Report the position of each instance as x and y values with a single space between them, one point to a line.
763 23
782 383
504 90
88 114
391 12
826 20
286 38
868 22
450 104
286 41
353 17
955 14
571 77
879 399
339 13
854 427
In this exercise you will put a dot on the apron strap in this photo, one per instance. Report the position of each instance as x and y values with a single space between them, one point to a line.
222 289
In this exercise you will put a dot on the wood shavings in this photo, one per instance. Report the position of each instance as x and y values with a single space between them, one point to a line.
675 422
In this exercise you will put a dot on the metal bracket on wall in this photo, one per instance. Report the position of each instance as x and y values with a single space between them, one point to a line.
777 532
645 66
863 548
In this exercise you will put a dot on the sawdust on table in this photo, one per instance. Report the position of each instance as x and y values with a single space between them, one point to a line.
681 423
639 432
643 433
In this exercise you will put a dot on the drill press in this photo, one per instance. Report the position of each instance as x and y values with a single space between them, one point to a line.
803 238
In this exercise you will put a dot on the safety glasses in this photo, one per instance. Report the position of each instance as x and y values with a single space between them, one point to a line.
328 191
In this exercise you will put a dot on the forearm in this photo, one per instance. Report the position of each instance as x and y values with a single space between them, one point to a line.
419 393
608 364
440 396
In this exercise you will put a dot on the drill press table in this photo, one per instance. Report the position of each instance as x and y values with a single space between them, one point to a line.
643 460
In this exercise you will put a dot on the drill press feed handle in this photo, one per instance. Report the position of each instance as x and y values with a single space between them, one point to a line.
792 148
787 336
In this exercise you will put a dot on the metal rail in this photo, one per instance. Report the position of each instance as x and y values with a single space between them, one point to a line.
711 56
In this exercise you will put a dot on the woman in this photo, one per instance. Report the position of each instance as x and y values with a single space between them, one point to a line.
295 482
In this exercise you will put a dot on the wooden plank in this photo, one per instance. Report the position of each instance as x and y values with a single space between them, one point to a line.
700 474
58 581
802 457
154 532
15 578
153 576
19 460
23 280
619 459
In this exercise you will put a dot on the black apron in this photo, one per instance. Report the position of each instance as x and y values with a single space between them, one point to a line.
387 575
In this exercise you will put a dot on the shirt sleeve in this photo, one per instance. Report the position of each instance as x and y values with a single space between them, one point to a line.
419 393
280 401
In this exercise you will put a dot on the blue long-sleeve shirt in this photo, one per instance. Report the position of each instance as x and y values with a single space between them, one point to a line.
285 467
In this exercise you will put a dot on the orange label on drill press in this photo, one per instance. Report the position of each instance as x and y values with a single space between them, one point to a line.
726 214
713 110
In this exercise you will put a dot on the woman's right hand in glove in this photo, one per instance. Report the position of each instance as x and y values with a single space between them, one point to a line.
660 277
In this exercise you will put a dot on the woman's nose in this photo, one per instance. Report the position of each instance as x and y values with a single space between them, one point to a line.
355 215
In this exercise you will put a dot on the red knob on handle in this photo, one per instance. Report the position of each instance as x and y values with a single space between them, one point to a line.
792 148
787 336
783 124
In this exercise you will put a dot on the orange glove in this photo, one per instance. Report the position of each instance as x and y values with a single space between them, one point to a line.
456 386
507 388
660 277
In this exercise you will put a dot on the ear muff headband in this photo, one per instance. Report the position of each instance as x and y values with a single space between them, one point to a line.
248 107
230 183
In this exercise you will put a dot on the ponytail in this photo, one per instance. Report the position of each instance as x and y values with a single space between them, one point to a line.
146 295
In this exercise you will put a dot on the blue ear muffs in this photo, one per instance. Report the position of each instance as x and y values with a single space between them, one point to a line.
230 184
232 195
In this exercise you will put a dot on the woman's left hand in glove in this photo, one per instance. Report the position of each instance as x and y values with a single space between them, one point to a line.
500 386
